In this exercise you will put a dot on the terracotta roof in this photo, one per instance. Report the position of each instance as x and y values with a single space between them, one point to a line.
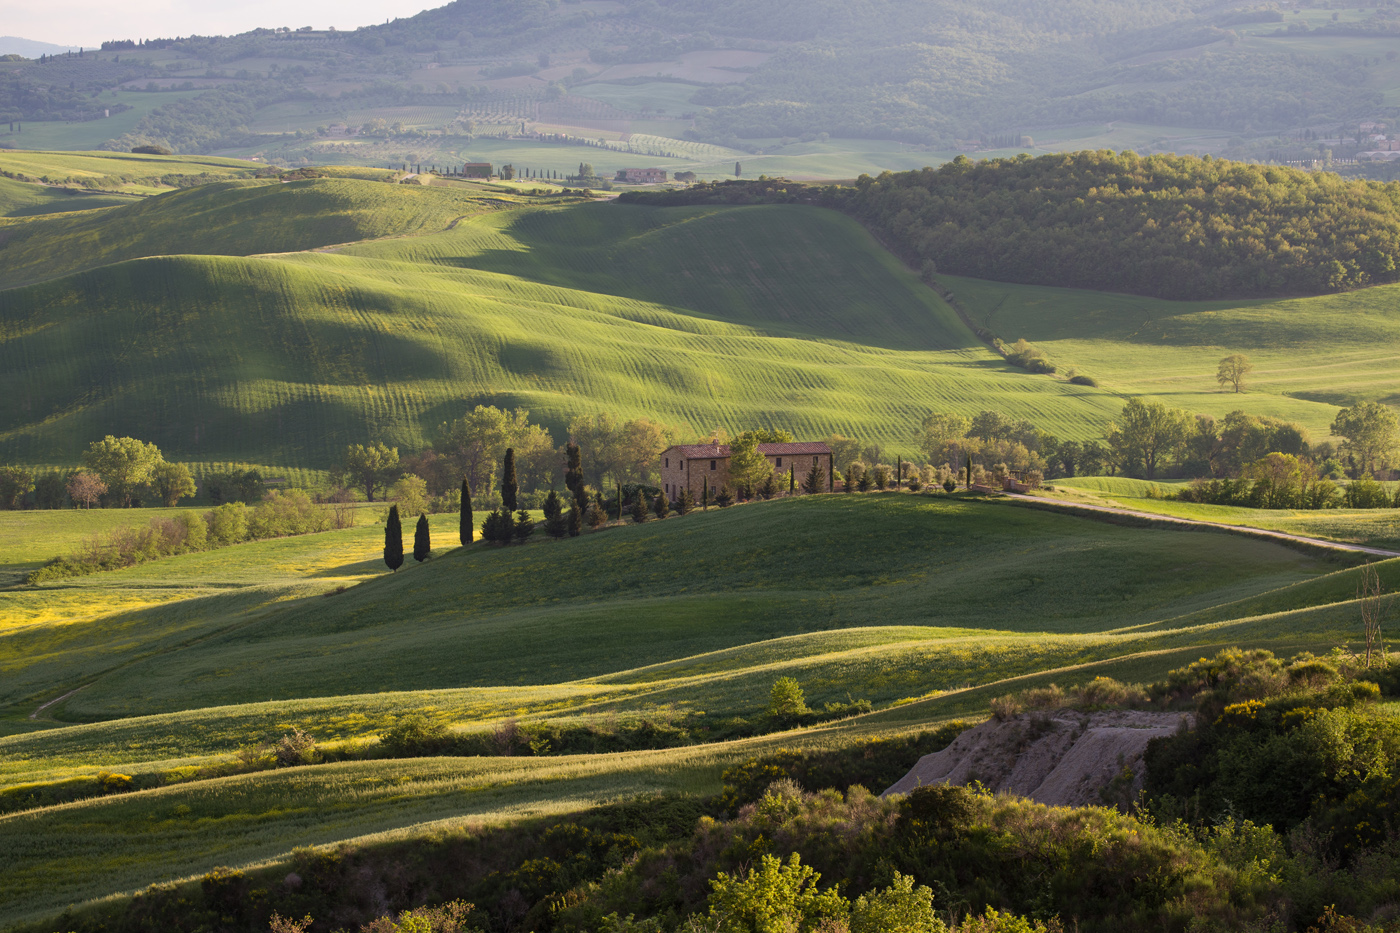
718 451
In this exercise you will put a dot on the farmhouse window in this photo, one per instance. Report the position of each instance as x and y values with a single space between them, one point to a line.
780 461
814 461
712 464
668 463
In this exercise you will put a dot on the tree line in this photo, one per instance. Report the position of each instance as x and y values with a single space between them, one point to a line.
1176 227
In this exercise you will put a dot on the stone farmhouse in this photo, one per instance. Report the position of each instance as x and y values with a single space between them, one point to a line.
644 176
699 465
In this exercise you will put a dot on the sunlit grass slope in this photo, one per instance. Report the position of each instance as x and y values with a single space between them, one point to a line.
60 167
549 613
23 199
1310 355
785 316
235 218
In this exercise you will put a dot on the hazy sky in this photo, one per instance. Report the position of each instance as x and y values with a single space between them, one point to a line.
89 22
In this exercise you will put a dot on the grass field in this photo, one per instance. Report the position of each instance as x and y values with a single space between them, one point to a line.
92 133
115 169
24 199
1311 356
1373 527
928 606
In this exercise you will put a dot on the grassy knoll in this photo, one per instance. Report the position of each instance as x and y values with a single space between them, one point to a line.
233 219
788 316
1374 527
686 590
1310 355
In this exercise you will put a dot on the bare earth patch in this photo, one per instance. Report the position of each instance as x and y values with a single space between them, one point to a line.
1060 758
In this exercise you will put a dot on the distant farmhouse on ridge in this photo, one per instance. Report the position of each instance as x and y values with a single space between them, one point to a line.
696 466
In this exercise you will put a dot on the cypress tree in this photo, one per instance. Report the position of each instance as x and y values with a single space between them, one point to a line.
573 475
465 525
686 502
724 499
422 540
663 507
792 480
393 540
509 487
815 481
640 512
575 522
705 497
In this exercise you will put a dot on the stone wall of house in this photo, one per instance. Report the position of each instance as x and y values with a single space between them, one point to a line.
676 476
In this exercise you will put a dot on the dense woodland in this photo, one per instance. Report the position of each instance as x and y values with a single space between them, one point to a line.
1169 226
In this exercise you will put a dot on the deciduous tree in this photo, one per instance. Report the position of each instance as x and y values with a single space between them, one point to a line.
172 482
371 468
123 463
86 488
15 484
1232 371
1370 429
1146 433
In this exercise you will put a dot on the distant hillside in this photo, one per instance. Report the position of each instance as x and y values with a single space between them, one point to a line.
1167 226
30 48
927 73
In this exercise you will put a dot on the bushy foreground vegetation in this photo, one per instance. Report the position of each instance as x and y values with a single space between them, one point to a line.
1171 226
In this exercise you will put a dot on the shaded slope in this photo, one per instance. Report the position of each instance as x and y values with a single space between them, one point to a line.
703 583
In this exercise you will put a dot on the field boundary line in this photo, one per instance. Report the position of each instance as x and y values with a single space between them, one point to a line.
1100 511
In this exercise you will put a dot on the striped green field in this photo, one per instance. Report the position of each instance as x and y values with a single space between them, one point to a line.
112 169
786 316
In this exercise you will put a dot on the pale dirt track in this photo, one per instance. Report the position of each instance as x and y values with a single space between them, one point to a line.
1192 522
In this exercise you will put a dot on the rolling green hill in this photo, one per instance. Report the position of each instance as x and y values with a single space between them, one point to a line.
698 317
928 606
234 218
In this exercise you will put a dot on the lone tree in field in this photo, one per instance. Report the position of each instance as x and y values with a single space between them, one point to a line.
393 540
422 540
815 481
640 512
465 526
1232 371
172 482
509 485
86 488
123 463
371 468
